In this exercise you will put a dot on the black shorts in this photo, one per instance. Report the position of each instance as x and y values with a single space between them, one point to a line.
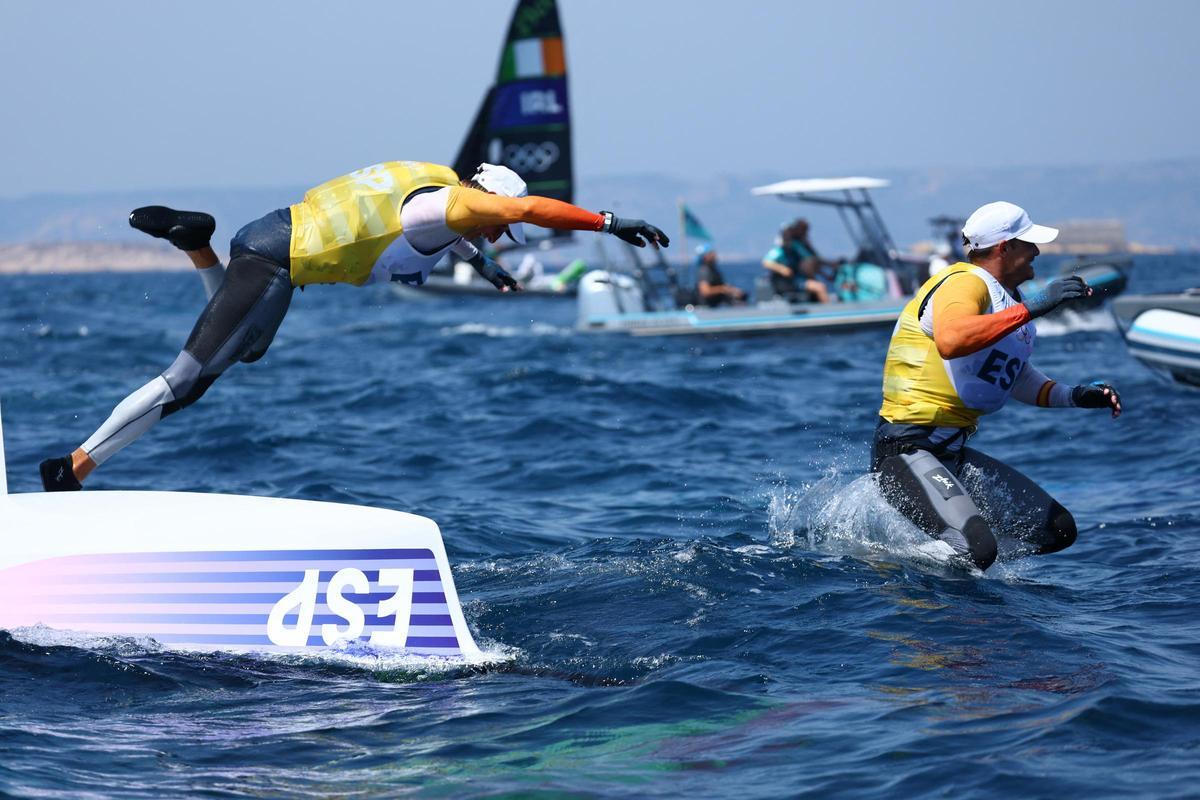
240 321
1012 506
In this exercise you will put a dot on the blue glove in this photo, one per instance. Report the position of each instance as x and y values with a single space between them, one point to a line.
1097 395
495 274
1055 294
632 230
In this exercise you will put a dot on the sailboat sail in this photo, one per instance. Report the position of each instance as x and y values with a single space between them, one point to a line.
524 120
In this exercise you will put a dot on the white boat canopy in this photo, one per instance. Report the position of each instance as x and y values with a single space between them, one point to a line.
802 186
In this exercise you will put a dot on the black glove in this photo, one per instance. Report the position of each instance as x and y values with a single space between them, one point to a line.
1055 294
1097 395
632 230
494 274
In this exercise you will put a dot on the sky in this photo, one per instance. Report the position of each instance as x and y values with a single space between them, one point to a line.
120 96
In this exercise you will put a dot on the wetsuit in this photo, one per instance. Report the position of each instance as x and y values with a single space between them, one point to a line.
931 406
388 222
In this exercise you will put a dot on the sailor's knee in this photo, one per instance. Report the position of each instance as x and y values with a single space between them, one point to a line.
981 542
1062 529
252 356
186 383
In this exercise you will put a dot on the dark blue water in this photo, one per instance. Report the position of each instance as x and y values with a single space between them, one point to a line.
667 545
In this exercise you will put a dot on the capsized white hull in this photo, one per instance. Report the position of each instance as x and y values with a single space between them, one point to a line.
229 572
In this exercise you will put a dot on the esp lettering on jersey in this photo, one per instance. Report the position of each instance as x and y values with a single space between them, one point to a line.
1000 369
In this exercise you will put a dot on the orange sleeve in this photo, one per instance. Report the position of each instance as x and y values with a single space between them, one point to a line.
960 326
471 208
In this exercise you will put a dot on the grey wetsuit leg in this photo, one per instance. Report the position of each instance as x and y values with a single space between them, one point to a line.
1015 506
212 277
923 489
239 322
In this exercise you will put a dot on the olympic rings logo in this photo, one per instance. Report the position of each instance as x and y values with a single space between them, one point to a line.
531 156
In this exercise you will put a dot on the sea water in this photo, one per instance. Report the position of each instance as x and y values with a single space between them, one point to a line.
668 547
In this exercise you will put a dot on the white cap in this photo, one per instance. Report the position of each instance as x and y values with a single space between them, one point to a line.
501 180
999 222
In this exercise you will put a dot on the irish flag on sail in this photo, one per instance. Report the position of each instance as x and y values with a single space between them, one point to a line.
533 58
524 121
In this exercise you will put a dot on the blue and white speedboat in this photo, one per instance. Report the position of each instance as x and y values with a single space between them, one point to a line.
1163 332
611 302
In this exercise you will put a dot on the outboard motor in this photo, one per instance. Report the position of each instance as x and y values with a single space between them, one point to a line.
604 294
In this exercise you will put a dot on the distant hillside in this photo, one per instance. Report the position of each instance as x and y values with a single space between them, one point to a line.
104 216
1159 203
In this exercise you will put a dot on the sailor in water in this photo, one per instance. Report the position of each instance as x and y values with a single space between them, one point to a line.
960 349
387 222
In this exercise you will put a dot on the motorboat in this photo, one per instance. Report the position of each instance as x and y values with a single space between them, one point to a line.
651 300
1163 332
461 279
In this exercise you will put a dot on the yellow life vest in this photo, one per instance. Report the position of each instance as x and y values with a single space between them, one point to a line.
342 227
922 388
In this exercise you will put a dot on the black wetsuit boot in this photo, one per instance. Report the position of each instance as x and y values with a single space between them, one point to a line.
57 475
187 230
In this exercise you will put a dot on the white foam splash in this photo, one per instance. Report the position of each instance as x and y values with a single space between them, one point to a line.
1069 321
848 516
43 636
504 331
359 655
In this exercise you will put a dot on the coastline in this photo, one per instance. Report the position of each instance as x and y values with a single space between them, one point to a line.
45 258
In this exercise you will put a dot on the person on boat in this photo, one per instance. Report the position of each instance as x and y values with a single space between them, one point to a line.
960 350
813 265
388 222
792 266
711 287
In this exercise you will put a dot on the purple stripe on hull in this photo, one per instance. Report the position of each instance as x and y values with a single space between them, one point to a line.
219 577
226 599
250 555
416 620
261 597
313 641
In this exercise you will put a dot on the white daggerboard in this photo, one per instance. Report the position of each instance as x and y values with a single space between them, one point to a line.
229 572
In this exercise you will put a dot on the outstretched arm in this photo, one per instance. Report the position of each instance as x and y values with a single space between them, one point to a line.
961 327
1034 388
470 208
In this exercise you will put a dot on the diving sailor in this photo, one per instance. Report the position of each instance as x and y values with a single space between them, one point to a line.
388 222
960 349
